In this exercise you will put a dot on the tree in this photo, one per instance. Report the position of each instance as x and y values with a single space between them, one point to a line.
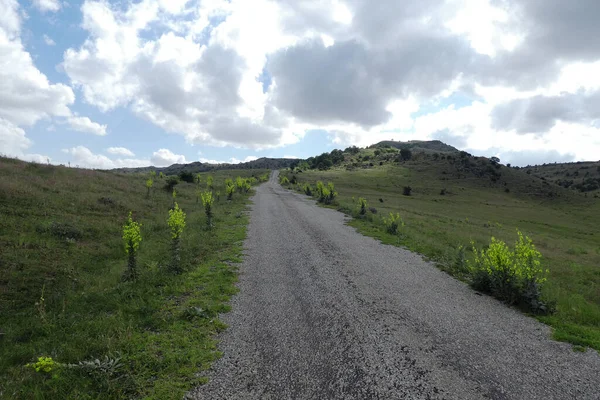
495 160
405 154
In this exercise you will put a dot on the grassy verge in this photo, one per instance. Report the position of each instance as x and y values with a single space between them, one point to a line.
565 229
61 293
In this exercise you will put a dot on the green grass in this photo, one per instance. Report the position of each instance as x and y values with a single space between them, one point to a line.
564 226
60 236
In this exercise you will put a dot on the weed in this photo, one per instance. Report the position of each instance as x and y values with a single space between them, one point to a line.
176 222
514 276
149 184
393 223
207 202
362 206
132 238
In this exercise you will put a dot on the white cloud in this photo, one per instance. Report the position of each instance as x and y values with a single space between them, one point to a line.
26 96
14 143
232 160
85 125
120 151
165 157
292 157
84 158
48 40
47 5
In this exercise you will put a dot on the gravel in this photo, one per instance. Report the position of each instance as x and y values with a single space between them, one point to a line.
326 313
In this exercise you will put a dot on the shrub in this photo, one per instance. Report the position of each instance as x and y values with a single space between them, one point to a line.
170 183
405 154
514 276
207 202
186 176
132 238
239 184
294 180
176 222
393 223
362 205
407 190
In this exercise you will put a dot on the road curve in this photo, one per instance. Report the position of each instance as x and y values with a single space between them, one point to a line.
326 313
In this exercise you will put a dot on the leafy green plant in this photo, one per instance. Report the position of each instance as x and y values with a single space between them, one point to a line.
207 202
170 183
152 174
176 222
307 190
239 184
44 364
393 223
284 181
149 184
514 276
209 182
198 176
247 186
325 194
132 237
229 189
362 206
161 175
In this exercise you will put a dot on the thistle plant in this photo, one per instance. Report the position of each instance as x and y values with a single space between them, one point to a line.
362 205
229 189
176 222
207 202
149 184
132 238
209 182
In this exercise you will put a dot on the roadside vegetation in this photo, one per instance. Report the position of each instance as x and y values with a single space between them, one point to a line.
464 213
110 287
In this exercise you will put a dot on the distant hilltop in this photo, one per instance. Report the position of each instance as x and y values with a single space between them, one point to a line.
419 145
197 166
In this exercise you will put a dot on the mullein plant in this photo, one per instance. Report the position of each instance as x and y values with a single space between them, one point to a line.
229 189
208 201
209 182
132 237
176 222
149 184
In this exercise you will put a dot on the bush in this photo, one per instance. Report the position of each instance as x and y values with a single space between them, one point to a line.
170 183
186 176
514 276
393 223
407 190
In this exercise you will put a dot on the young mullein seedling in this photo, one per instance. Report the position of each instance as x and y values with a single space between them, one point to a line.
207 202
176 222
132 238
209 182
229 189
149 184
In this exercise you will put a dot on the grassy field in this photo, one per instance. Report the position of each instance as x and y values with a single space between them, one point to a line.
61 293
564 225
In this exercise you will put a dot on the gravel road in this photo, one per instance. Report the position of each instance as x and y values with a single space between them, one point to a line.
326 313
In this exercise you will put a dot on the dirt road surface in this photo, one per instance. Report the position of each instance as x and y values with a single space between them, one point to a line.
326 313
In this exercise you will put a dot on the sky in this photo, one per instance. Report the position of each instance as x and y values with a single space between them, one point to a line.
101 84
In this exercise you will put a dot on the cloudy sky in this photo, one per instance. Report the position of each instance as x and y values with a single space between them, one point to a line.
131 83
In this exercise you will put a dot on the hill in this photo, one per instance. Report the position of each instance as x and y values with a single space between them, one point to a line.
579 176
62 259
450 200
197 167
418 146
